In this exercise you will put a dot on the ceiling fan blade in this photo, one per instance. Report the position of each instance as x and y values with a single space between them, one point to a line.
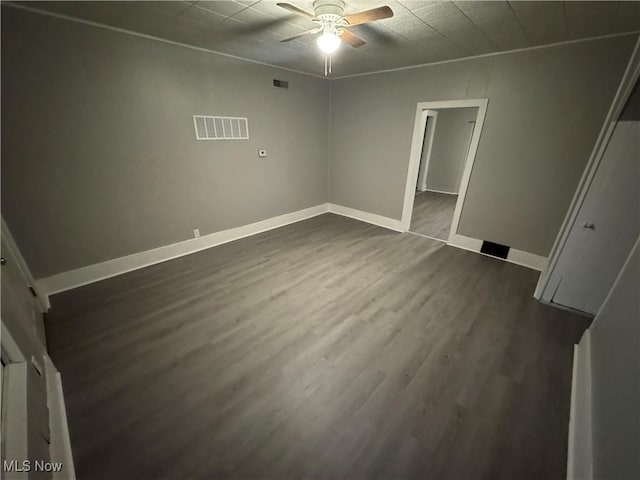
369 15
352 39
247 29
301 34
299 11
376 35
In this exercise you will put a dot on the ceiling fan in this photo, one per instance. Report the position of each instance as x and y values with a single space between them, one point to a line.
333 24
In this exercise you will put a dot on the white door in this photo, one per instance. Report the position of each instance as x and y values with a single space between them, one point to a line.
607 225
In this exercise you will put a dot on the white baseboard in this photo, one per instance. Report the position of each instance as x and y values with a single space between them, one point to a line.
427 236
110 268
385 222
580 453
525 259
564 307
439 191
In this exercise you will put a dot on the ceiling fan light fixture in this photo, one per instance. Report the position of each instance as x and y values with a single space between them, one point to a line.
328 42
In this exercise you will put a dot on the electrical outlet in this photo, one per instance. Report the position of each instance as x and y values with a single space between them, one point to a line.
262 153
196 233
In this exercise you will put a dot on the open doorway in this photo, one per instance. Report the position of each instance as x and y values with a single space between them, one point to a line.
445 149
445 140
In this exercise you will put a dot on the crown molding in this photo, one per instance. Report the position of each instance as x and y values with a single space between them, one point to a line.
493 54
151 37
22 6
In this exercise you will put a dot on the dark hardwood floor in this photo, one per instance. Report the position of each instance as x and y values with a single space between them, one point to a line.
326 349
432 214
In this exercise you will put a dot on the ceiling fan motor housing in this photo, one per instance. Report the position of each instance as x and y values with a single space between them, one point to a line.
328 15
330 8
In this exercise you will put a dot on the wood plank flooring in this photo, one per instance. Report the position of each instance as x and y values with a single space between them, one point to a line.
432 214
325 349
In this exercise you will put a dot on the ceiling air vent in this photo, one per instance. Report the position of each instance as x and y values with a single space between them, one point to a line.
280 83
220 128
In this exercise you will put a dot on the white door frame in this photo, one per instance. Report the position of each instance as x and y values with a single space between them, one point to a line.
41 297
14 391
9 346
416 151
549 278
430 129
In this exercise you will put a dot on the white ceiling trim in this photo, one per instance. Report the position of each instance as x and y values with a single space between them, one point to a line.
492 54
151 37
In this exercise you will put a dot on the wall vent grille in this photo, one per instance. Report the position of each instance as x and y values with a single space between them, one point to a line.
220 128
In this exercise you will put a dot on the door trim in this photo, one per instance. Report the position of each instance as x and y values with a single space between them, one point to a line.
60 447
15 435
549 279
416 151
9 346
430 130
41 297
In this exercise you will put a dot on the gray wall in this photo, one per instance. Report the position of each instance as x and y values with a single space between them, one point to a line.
615 378
99 157
450 145
546 108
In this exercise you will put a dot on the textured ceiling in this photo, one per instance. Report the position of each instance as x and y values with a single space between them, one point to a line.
420 31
